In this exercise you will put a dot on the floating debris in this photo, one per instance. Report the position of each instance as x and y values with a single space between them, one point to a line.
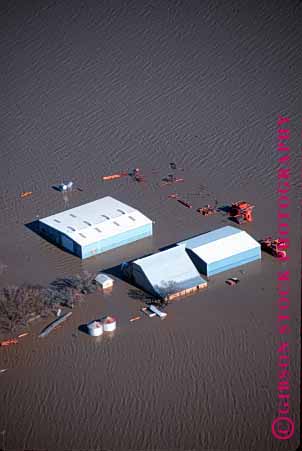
115 176
148 312
54 324
171 179
207 210
134 319
11 341
158 312
26 194
23 335
232 281
137 176
183 202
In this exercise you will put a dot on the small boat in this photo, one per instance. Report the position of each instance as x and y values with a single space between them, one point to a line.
3 371
11 341
157 311
26 194
115 176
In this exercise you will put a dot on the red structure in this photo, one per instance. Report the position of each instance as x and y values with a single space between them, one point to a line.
274 247
241 212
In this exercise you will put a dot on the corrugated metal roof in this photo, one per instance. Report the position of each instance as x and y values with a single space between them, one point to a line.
208 237
220 244
96 220
170 271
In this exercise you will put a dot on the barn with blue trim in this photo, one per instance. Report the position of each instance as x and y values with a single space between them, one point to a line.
221 249
167 274
96 227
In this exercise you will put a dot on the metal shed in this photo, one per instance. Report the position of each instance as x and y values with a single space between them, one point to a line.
167 274
104 281
221 249
96 227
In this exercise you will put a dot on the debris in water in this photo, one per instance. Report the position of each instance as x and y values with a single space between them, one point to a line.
23 335
171 179
54 324
115 176
135 318
26 194
183 202
232 281
11 341
207 210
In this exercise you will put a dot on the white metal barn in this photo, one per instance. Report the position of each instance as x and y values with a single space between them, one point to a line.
167 274
96 227
222 249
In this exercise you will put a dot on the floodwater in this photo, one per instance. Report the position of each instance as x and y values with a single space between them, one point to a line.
92 88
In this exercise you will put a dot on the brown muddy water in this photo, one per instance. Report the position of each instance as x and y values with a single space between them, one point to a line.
89 89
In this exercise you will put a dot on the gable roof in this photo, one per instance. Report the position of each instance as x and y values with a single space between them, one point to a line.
220 244
170 271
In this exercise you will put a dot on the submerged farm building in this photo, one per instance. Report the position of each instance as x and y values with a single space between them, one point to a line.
167 274
96 227
221 249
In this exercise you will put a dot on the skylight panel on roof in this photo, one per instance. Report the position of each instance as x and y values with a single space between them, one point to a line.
82 235
72 215
97 229
88 223
57 220
105 216
71 228
132 218
116 223
121 211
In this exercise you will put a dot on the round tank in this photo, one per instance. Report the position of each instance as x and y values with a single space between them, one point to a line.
95 328
109 324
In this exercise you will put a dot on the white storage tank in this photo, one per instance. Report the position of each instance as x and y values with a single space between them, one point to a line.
109 324
95 328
